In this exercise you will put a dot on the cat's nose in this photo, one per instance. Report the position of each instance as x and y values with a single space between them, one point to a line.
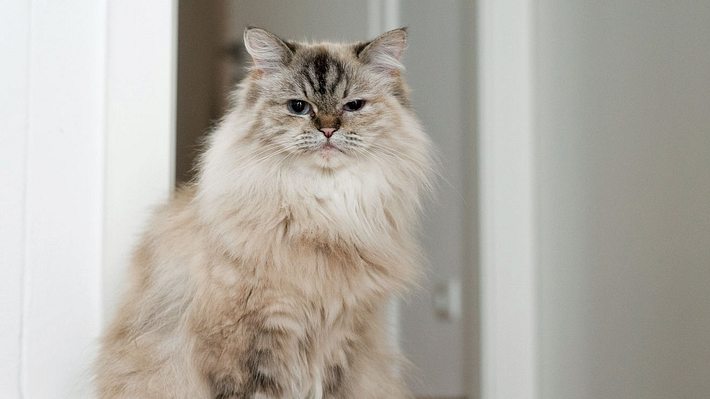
328 131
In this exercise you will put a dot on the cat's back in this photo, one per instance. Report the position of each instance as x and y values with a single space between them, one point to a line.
172 245
165 255
175 220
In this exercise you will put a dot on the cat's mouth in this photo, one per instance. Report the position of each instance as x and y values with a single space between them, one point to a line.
328 147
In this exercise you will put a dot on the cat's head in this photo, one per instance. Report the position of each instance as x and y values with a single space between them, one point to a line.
327 105
320 136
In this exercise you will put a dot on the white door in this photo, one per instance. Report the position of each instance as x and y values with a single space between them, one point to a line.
85 133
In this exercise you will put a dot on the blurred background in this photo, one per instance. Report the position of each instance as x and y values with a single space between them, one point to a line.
568 246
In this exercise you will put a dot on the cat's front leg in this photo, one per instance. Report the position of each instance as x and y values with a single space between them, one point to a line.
369 376
272 367
371 369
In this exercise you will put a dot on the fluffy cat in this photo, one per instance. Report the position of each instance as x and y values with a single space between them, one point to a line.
268 276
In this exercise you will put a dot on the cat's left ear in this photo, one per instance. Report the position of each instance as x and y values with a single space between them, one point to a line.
268 52
385 52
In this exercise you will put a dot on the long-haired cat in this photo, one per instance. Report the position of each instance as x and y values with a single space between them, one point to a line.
268 277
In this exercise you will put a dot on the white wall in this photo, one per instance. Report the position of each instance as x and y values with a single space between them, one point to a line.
623 155
14 98
52 116
85 126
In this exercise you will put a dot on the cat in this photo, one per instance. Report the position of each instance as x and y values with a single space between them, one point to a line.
269 275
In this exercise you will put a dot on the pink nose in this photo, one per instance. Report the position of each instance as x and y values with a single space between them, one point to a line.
328 131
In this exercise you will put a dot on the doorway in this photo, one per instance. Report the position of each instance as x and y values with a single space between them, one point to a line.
435 326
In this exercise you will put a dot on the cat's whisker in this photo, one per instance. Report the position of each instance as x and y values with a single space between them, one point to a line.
267 153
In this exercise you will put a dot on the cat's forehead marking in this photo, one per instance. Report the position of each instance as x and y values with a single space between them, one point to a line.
322 72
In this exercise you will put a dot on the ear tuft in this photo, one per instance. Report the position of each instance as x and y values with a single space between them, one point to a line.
268 52
385 51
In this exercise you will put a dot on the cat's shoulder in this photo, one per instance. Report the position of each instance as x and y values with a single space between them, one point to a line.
174 227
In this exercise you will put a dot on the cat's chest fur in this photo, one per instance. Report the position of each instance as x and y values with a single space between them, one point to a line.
350 203
289 308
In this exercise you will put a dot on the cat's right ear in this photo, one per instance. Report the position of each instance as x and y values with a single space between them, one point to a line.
385 52
268 52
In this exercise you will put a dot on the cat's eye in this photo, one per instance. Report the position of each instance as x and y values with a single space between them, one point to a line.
298 107
354 105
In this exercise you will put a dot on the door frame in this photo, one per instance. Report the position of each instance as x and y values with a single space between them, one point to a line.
507 201
140 176
139 150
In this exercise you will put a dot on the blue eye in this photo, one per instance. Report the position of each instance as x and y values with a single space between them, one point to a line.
298 107
354 105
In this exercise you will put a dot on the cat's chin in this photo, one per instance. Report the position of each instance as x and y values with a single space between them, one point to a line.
328 157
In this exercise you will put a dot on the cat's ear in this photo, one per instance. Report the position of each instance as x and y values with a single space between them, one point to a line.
385 52
268 52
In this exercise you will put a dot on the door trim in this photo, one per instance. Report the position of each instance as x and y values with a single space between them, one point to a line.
507 199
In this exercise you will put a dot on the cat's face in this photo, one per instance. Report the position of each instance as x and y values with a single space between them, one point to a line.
327 105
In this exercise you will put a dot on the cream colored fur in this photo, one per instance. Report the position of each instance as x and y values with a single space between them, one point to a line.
268 277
